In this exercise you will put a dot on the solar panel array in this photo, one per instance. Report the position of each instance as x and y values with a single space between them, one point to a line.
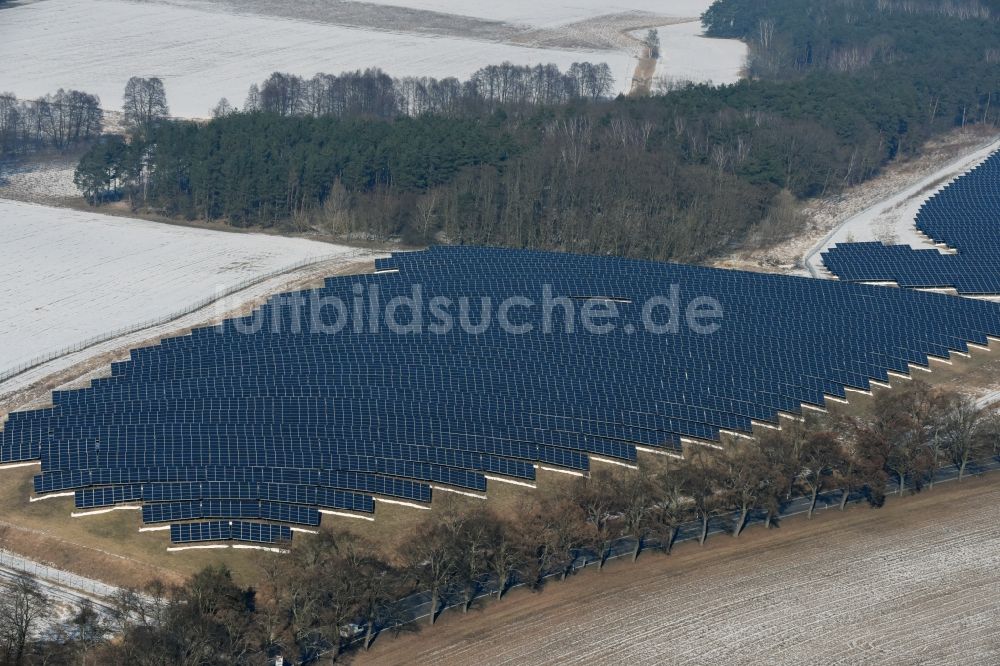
237 530
965 216
271 419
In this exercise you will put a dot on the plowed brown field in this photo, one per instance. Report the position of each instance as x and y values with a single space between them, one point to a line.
916 582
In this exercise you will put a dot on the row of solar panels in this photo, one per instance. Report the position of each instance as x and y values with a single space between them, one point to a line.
305 444
686 385
420 461
236 509
164 468
235 530
294 493
327 496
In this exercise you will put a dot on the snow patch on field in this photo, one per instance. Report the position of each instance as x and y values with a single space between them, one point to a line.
68 276
96 45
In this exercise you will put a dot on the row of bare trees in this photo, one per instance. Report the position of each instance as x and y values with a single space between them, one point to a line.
373 93
56 121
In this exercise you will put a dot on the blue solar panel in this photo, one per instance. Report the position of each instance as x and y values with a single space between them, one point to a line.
278 512
229 530
275 425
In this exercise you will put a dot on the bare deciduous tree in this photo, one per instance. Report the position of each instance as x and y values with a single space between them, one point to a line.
968 431
895 437
744 473
431 560
223 109
474 535
144 103
506 557
23 609
820 460
701 478
637 501
671 507
597 497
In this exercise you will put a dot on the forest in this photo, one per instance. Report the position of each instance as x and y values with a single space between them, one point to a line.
338 590
534 157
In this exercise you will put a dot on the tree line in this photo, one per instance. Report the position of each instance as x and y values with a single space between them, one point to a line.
373 93
338 590
72 118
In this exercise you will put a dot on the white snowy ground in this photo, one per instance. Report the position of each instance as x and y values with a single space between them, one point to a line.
96 45
893 220
687 55
49 180
68 276
550 13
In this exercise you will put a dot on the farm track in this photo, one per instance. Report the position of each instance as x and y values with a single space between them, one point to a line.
642 80
915 582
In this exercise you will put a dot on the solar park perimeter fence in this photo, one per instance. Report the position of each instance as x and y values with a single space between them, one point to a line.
159 321
65 579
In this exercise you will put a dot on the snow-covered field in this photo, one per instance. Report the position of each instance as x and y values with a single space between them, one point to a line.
41 181
548 13
68 276
96 45
208 49
685 55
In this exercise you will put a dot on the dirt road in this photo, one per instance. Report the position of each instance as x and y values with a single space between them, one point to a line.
917 581
642 80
